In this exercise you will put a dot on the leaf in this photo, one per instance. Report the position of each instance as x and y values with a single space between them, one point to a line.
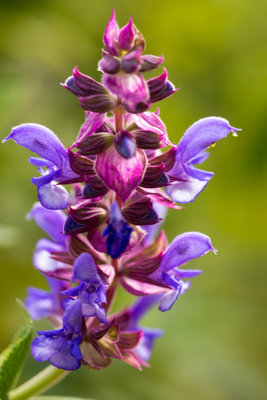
56 398
12 358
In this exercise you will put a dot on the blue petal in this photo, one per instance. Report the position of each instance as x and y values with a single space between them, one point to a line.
85 269
72 319
41 141
53 197
40 162
185 191
146 344
51 221
39 303
141 307
43 348
73 291
167 300
185 247
118 232
46 178
201 135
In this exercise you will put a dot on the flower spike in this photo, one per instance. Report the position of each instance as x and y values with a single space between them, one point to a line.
105 231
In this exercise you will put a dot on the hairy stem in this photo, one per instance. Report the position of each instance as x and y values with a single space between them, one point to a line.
118 120
38 384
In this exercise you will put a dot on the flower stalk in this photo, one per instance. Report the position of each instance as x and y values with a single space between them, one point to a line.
108 232
40 383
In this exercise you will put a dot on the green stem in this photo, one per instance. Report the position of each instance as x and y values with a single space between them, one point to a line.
38 384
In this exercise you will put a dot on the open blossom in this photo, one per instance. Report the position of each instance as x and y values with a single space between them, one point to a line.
105 231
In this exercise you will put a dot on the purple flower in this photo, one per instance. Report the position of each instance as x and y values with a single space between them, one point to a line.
182 249
155 270
52 222
43 304
189 181
118 232
61 347
137 311
90 292
131 88
53 166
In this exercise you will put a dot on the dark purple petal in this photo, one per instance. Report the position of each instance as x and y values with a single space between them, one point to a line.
87 85
99 103
126 36
51 221
118 232
111 35
72 319
54 197
152 230
185 247
72 227
85 269
201 135
41 141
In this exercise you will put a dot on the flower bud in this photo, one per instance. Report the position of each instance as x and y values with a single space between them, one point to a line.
118 232
150 62
131 61
147 139
140 212
155 177
160 87
98 103
125 144
95 143
80 164
109 64
126 36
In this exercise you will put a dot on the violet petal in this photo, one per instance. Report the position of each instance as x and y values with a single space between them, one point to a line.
40 140
185 247
53 196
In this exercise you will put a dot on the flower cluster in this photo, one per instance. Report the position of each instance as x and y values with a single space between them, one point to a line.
105 231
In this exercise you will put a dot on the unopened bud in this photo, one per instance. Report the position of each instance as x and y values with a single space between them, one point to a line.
125 144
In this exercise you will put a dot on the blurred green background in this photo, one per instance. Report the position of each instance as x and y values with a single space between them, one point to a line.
214 347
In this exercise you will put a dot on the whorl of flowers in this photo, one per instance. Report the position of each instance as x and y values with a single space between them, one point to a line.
108 234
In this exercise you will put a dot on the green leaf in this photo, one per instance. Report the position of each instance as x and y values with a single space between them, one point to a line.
12 358
56 398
